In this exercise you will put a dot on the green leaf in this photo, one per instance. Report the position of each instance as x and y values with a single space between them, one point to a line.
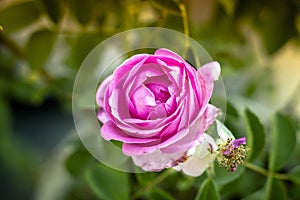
256 135
157 193
231 110
275 189
81 47
108 183
278 18
83 11
39 47
53 9
18 16
223 177
208 190
78 161
283 141
145 178
257 195
294 175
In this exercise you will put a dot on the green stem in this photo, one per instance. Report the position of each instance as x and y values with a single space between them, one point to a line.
185 22
11 45
156 181
265 172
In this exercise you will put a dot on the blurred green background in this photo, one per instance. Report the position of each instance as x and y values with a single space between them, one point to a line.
43 44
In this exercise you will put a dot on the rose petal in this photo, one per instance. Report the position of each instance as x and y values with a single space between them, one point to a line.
211 114
208 143
167 53
126 67
155 161
195 166
101 90
207 75
210 71
157 112
186 142
197 163
110 131
140 73
196 129
142 99
102 116
137 149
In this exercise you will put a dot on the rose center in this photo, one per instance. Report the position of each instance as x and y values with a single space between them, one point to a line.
160 92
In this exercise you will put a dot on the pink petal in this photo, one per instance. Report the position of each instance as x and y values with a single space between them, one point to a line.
187 142
167 53
137 149
101 90
196 129
210 115
210 71
110 131
158 112
142 100
207 75
126 67
102 116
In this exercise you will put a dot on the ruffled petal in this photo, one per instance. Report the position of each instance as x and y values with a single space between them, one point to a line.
210 71
155 161
101 90
110 131
198 162
142 99
167 53
126 67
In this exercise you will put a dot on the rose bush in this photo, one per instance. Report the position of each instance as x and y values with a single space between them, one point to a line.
158 106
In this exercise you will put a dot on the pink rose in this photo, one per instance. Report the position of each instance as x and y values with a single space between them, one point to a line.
158 106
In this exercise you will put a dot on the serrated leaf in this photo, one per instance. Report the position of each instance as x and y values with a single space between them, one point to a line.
275 189
53 9
160 194
256 136
83 11
18 16
283 141
108 183
223 177
208 190
39 47
294 175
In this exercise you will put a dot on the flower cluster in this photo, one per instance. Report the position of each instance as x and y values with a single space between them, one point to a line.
232 153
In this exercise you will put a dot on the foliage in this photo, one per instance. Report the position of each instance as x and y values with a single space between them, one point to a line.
44 42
